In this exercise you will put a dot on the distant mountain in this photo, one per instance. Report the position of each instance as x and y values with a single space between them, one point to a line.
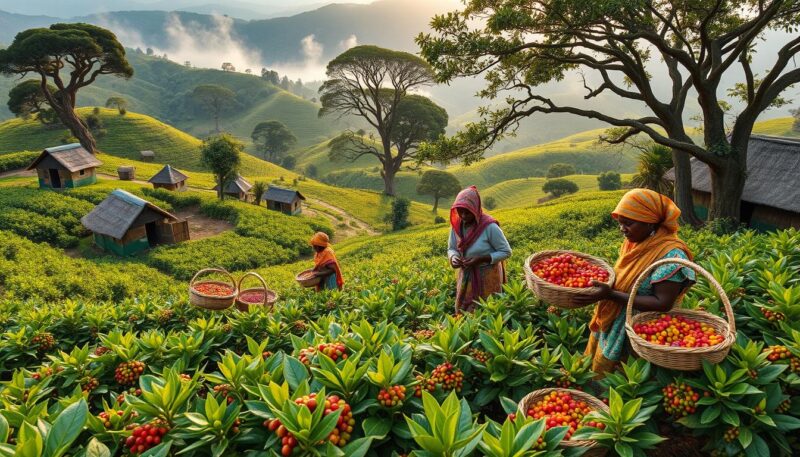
11 24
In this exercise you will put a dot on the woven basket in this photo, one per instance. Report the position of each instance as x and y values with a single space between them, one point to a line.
593 449
212 301
307 282
560 296
682 358
270 297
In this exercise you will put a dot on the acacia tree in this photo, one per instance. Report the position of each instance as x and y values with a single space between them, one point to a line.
27 98
370 82
215 99
273 139
83 51
119 103
222 155
522 45
438 184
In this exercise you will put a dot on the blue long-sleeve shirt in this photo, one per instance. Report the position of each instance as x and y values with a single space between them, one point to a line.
491 242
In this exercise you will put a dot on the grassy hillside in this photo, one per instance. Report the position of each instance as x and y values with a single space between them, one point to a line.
161 88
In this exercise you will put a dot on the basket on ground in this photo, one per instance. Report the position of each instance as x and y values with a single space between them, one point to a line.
254 296
675 357
212 294
593 449
554 294
307 278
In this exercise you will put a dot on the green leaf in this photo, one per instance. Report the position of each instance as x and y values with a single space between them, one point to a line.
3 429
730 417
97 449
66 428
758 448
376 427
745 437
294 371
623 449
710 414
162 450
359 447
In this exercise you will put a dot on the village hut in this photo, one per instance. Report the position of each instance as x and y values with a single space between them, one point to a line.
238 188
771 197
66 167
169 178
126 173
126 224
147 156
287 201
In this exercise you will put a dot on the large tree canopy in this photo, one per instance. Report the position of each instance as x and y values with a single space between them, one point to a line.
83 51
27 98
617 45
222 155
273 139
370 82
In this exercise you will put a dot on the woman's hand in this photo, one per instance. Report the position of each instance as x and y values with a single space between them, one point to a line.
456 262
470 262
601 291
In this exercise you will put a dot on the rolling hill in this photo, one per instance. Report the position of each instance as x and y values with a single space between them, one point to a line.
127 135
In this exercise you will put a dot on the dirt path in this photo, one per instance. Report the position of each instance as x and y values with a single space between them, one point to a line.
201 226
345 224
17 172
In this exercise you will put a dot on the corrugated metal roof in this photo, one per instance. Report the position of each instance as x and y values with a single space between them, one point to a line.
281 195
115 215
72 156
773 173
168 175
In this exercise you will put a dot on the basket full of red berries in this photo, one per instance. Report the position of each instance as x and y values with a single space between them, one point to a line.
557 277
212 294
680 339
254 296
565 407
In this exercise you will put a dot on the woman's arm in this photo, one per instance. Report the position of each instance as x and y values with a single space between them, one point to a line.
452 250
324 271
501 249
665 293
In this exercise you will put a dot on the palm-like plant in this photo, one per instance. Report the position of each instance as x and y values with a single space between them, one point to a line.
654 162
259 187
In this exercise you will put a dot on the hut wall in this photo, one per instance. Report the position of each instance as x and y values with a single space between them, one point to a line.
769 218
118 246
165 186
77 179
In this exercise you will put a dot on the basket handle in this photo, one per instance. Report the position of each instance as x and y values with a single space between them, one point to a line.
689 264
257 276
213 270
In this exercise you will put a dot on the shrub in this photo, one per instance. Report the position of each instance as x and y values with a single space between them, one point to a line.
609 180
399 215
559 187
439 220
311 171
490 203
558 170
16 160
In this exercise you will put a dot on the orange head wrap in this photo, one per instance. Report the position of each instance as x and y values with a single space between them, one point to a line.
320 239
650 207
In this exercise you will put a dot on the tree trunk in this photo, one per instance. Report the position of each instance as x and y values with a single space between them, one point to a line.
435 203
727 186
216 122
683 187
77 127
388 179
221 182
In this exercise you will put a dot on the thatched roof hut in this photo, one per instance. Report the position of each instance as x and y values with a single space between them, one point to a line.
237 187
771 197
169 178
65 167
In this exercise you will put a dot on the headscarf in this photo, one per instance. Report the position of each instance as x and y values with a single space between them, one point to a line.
470 200
642 205
326 257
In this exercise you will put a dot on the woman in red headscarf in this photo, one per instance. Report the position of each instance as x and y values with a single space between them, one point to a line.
326 266
649 223
477 249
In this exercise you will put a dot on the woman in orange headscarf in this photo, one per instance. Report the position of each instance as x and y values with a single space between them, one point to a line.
649 222
326 266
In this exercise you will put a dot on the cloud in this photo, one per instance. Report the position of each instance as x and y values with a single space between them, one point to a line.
349 42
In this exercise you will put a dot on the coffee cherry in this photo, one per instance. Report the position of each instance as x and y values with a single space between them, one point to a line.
569 270
100 350
731 434
424 334
146 436
680 400
392 397
479 355
772 316
448 377
224 390
335 351
43 342
678 331
562 409
340 435
423 383
89 384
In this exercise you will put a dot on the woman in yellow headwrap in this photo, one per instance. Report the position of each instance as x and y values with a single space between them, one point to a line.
649 222
326 266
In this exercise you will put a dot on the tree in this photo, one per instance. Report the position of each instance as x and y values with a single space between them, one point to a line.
654 163
311 170
558 170
371 82
215 99
259 187
489 203
289 162
617 46
610 180
86 50
27 98
399 214
221 154
273 139
227 66
559 186
438 184
119 103
271 75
